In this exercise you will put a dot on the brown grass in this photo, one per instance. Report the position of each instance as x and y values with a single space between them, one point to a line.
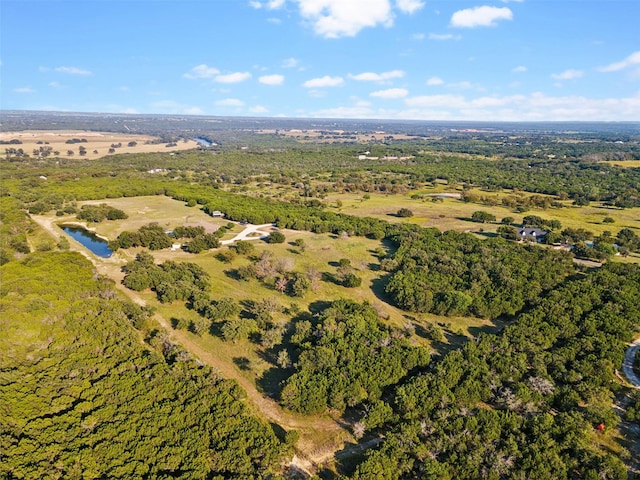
96 141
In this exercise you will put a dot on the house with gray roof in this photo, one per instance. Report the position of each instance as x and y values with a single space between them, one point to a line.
531 234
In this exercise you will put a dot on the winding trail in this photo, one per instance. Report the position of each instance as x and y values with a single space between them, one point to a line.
627 365
630 430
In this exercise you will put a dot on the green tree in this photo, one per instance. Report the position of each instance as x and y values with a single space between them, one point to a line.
243 247
481 216
276 237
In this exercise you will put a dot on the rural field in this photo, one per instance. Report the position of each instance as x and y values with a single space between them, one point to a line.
321 252
450 213
334 136
246 360
97 144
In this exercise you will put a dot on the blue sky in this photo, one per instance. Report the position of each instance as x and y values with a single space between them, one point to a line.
524 60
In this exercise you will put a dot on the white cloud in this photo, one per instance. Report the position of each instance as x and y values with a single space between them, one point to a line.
570 74
464 85
356 111
115 108
172 107
443 36
323 82
391 93
483 16
201 71
230 102
345 18
235 77
290 62
340 18
271 79
259 109
519 69
631 60
433 81
24 90
55 85
409 6
360 103
73 71
418 36
377 77
532 107
317 93
431 101
269 5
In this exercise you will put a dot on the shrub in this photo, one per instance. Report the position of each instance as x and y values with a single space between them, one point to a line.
404 213
275 237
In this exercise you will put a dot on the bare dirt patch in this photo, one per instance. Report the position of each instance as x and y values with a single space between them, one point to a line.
208 226
97 144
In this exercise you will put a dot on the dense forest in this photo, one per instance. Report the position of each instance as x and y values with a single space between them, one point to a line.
456 274
82 397
92 387
525 403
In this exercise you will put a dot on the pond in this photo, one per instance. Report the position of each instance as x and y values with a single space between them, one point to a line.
89 240
203 141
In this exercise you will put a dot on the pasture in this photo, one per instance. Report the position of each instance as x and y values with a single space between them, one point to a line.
454 214
97 144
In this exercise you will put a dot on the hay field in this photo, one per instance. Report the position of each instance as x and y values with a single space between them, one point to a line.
99 142
624 163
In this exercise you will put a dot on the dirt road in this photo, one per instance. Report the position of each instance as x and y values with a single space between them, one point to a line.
627 365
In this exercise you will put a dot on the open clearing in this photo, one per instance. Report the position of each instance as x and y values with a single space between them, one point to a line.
164 211
99 142
624 163
453 214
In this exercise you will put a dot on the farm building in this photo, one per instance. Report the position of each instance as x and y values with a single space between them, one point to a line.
532 234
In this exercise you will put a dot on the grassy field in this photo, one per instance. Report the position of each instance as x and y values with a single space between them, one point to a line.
624 163
322 252
165 211
97 144
455 214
